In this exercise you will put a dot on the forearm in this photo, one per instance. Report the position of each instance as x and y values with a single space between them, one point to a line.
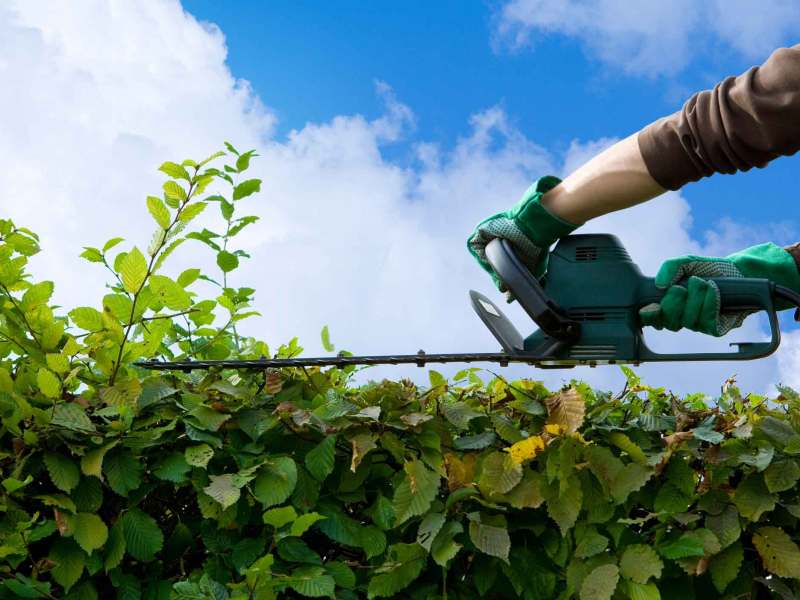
616 178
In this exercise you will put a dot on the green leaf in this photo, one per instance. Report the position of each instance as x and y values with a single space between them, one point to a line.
624 443
69 561
159 212
36 295
92 461
89 531
752 497
112 242
223 489
198 456
63 471
499 474
208 418
416 492
174 192
49 384
227 261
123 472
444 547
563 506
639 563
406 562
304 522
71 415
115 546
326 340
174 170
685 546
459 413
143 538
778 552
320 460
170 293
172 468
133 270
590 544
725 566
191 211
275 481
278 517
600 583
489 539
642 591
725 526
342 574
781 475
312 582
92 254
529 493
57 362
246 188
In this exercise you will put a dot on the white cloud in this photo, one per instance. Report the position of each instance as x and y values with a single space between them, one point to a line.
651 37
96 94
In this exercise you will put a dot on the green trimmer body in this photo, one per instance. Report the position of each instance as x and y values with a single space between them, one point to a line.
586 308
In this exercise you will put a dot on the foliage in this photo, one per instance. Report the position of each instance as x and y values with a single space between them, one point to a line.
117 481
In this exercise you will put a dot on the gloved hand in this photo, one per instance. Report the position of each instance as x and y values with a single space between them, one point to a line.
528 225
694 303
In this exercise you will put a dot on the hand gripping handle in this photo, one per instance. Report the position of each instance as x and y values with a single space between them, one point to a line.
736 295
531 296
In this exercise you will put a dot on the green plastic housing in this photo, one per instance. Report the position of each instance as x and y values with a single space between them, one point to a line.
593 281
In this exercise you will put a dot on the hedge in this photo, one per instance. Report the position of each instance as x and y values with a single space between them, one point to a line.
121 482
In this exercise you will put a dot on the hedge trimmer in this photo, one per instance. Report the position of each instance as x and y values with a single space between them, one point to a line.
586 307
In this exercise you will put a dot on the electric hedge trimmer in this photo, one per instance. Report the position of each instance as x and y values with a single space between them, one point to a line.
586 306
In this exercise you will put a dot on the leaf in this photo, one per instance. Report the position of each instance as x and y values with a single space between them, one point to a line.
563 506
223 489
63 471
312 582
429 528
123 472
778 552
69 561
89 531
640 591
725 526
362 444
49 384
174 170
198 456
87 318
406 562
190 211
278 517
72 416
460 414
169 293
685 546
630 479
752 497
133 270
304 522
275 481
246 188
600 583
416 492
444 547
567 409
112 242
227 261
590 544
159 212
143 538
57 362
92 461
725 566
320 460
326 340
639 563
92 254
173 191
490 539
499 474
528 493
624 443
172 468
115 546
781 475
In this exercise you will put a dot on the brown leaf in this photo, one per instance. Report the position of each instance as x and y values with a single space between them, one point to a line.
677 438
460 473
273 382
567 409
361 443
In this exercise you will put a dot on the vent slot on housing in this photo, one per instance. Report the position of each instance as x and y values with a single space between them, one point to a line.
585 253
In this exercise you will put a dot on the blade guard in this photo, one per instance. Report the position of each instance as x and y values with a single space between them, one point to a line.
587 305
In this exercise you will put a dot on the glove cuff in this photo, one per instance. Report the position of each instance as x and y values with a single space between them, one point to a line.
541 226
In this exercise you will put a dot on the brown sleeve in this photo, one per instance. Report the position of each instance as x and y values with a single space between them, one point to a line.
744 122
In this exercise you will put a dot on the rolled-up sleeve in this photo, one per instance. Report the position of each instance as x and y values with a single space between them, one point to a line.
744 122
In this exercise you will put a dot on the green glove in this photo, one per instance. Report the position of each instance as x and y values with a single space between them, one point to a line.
529 226
694 303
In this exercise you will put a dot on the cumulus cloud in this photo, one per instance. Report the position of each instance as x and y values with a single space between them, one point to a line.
650 37
96 94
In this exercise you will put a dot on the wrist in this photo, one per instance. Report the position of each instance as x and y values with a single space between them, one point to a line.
540 225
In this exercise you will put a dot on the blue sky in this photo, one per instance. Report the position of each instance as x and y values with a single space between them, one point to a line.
310 61
371 189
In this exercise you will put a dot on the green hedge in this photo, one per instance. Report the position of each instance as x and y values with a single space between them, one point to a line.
212 485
